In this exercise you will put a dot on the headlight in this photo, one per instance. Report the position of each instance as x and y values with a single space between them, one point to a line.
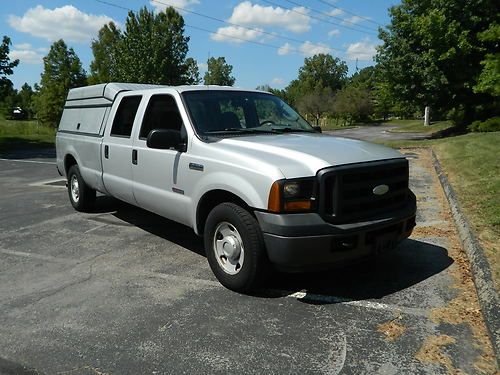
297 195
291 189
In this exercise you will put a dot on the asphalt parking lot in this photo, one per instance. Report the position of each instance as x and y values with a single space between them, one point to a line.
123 291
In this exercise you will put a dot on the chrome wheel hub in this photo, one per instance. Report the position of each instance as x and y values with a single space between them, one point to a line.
228 248
75 189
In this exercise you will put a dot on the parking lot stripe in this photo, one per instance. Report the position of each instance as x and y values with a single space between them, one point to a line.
29 161
37 256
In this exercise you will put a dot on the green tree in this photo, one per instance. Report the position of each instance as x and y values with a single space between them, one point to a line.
489 79
316 103
352 104
318 71
104 49
218 72
192 74
431 53
6 68
153 48
25 99
62 71
365 78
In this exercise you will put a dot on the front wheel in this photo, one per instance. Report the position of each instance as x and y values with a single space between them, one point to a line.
81 196
235 248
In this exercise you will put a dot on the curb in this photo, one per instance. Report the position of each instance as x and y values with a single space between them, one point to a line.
486 292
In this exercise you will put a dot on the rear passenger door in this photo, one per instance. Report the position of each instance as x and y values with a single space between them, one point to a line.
158 185
117 156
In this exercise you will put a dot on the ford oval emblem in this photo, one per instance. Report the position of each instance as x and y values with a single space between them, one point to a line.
380 189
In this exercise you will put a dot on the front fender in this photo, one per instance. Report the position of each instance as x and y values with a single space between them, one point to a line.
254 194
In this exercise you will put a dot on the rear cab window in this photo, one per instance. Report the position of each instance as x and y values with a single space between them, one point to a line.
125 116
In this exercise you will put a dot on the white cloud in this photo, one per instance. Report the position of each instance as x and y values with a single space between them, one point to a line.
185 4
335 12
334 32
67 22
277 81
249 14
363 50
22 46
285 49
235 34
353 20
310 49
26 56
307 49
202 66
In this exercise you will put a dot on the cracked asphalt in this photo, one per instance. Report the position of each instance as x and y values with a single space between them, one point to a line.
123 291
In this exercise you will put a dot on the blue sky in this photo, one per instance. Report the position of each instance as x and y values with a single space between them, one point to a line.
290 29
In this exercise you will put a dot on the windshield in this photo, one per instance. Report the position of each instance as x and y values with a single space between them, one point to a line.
218 112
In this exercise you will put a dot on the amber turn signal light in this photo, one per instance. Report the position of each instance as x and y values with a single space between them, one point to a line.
297 205
274 202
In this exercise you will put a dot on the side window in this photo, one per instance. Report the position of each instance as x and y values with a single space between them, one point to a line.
125 115
162 113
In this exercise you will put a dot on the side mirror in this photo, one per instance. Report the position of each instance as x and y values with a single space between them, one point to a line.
165 139
318 129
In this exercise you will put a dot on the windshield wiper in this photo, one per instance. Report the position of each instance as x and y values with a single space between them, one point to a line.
291 130
240 130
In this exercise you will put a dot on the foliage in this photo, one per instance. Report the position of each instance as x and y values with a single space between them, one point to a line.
151 49
192 74
103 67
25 134
489 79
352 104
219 72
6 68
62 71
490 125
319 71
365 78
316 103
431 53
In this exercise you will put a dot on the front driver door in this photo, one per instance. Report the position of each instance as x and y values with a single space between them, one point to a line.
157 186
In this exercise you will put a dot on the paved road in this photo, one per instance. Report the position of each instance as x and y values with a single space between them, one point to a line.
379 132
123 291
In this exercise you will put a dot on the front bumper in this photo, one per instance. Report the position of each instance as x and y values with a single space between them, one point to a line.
302 242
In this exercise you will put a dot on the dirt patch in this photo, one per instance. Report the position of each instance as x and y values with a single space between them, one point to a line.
392 329
463 309
432 352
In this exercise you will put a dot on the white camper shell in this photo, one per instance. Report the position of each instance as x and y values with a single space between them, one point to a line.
87 108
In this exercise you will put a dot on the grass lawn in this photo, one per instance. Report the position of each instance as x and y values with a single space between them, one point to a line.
472 164
417 126
24 134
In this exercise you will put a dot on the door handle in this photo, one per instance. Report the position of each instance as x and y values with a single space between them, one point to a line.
134 157
106 151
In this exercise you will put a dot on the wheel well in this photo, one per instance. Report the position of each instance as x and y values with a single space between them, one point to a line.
69 161
211 199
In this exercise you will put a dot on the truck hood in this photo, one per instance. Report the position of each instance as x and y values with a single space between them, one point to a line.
303 154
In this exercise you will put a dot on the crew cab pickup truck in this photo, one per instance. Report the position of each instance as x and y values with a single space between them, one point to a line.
265 189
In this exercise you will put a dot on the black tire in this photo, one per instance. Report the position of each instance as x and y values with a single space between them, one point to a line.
255 268
85 199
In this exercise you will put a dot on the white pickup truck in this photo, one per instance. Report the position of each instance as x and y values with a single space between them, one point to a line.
242 168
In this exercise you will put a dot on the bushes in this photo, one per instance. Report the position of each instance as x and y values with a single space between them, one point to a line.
490 125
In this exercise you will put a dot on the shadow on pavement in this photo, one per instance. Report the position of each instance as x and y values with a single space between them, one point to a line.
412 262
151 223
21 149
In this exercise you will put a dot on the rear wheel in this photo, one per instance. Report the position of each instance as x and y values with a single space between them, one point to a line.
81 196
235 248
